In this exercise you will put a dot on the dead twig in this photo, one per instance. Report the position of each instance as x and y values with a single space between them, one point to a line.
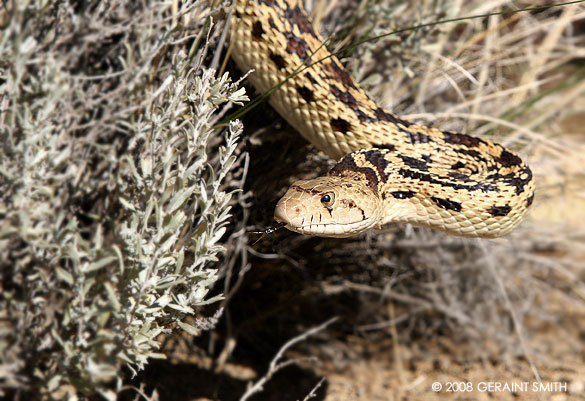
275 366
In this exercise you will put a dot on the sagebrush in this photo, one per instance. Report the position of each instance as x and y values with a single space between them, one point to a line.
113 198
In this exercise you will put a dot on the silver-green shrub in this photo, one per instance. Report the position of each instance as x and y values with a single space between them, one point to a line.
112 195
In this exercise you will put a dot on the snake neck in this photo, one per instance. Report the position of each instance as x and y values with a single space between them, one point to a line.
471 200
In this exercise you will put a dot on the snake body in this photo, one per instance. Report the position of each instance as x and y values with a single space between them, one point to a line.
390 170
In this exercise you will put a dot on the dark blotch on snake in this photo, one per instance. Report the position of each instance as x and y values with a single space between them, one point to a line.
339 74
471 152
296 45
447 204
311 79
341 125
414 163
513 179
459 176
472 186
278 60
347 168
499 210
461 139
508 159
257 30
347 98
478 157
306 93
403 194
458 165
297 17
343 96
377 159
387 146
529 200
382 115
417 137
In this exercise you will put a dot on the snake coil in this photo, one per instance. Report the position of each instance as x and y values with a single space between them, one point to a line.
390 170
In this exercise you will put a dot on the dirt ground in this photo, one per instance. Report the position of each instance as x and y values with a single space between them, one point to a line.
392 372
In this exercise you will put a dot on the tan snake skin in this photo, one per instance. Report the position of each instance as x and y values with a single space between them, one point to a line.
390 170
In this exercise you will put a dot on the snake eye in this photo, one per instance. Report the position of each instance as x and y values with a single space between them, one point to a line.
328 199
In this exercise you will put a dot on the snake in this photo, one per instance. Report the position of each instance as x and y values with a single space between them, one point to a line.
389 170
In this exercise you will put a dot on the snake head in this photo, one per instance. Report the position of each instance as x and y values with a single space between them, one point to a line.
329 207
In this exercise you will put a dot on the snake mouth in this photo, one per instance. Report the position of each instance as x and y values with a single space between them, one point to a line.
334 230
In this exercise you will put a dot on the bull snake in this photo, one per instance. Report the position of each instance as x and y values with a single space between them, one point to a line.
390 170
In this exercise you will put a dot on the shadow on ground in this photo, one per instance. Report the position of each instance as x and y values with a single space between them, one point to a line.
188 382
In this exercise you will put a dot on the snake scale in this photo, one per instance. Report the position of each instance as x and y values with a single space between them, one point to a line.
389 170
